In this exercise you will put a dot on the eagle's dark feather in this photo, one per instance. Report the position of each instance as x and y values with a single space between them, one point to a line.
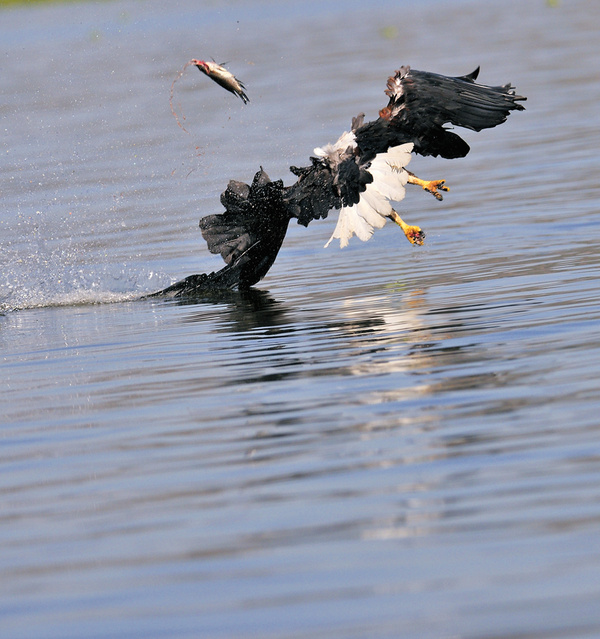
250 233
313 195
421 103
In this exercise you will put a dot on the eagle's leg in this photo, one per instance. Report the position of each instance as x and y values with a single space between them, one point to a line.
429 185
413 233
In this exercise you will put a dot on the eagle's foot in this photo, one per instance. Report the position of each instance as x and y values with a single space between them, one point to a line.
414 234
431 186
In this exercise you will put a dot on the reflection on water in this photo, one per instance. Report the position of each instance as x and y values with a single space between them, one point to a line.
384 441
242 310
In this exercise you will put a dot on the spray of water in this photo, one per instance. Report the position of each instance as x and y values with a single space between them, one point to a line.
37 271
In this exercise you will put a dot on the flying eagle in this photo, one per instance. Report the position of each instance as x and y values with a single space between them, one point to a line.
361 175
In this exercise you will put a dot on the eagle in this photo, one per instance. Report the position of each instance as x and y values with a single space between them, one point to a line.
361 175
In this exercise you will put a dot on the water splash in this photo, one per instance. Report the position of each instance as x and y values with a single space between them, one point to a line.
69 286
38 271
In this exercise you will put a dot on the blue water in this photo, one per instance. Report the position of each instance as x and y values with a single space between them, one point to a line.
381 441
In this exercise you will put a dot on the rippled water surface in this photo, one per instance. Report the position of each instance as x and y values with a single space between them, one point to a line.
383 441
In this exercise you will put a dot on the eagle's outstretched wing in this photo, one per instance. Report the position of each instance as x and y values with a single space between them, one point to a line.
421 103
250 232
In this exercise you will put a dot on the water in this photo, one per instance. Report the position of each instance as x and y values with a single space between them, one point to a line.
384 441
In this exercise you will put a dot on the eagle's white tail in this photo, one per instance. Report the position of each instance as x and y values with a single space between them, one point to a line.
389 178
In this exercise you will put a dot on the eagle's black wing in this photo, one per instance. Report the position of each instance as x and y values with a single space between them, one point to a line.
250 232
313 194
421 103
248 237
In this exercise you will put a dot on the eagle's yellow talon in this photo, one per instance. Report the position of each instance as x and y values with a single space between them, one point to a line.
431 186
414 234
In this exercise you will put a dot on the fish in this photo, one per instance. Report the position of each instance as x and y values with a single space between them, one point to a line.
223 77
